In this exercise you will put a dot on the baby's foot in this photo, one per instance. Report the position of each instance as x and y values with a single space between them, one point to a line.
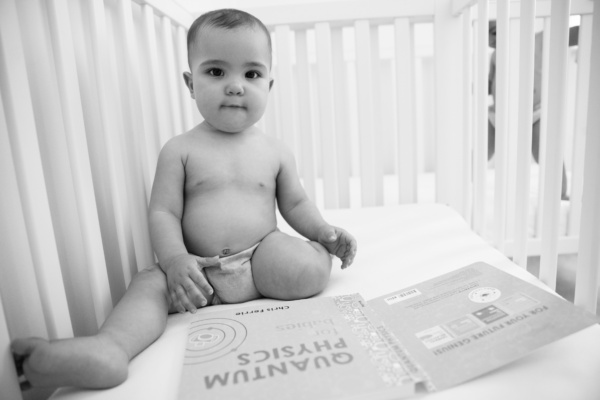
82 362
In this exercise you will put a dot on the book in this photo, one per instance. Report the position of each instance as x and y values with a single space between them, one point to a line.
429 336
317 348
478 318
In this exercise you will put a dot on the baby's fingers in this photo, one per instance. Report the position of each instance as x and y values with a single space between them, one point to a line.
176 303
208 262
183 298
347 261
349 254
198 298
200 280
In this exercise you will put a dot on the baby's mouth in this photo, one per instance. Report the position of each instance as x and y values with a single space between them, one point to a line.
234 106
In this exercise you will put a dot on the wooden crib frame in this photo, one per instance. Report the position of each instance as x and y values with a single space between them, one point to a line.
91 90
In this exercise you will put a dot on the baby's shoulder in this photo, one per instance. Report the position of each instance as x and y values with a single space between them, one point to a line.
278 150
181 143
176 148
272 143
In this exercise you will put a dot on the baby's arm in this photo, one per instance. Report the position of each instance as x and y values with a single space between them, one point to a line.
305 218
184 277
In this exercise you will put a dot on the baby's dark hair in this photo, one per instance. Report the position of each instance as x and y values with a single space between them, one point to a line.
225 18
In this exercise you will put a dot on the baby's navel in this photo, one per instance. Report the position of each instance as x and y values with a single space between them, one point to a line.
226 251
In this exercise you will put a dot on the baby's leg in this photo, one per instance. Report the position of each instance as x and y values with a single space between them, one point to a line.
101 361
289 268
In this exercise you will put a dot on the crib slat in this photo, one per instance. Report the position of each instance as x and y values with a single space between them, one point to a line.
108 155
171 75
581 115
304 124
501 137
481 128
86 71
543 123
512 137
368 172
284 77
80 171
58 172
557 94
476 223
405 97
377 131
182 65
341 117
138 183
524 131
151 140
19 134
448 102
468 56
130 72
327 126
157 92
19 285
588 263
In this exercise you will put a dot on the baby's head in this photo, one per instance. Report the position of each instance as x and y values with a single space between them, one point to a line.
229 53
224 19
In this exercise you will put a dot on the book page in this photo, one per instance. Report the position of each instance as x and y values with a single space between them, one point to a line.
468 322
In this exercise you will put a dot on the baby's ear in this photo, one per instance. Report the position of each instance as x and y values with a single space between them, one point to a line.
187 78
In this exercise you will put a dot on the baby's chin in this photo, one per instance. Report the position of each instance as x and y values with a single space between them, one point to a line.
230 126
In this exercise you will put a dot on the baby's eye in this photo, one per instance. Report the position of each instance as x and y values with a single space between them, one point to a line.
215 72
253 74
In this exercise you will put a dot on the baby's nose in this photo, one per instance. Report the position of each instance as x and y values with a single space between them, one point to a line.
234 88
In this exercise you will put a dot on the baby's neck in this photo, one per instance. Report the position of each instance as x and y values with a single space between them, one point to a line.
208 128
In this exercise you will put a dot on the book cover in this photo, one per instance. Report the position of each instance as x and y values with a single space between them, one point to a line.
435 334
326 348
463 324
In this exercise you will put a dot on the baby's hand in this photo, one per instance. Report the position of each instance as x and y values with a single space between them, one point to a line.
186 282
339 243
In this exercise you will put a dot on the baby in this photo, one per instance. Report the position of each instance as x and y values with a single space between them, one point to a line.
212 215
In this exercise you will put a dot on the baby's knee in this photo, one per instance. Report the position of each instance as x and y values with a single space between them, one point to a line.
316 270
289 268
312 270
152 278
322 258
115 371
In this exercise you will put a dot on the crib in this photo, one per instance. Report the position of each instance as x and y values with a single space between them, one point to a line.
383 102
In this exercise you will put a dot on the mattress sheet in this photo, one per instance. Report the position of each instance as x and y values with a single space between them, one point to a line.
398 246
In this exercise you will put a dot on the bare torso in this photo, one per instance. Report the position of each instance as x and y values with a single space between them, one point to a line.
229 192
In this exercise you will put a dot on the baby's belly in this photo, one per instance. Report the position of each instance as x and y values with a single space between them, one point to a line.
226 229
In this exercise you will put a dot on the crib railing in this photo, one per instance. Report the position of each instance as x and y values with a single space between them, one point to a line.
338 71
382 101
90 90
567 127
354 97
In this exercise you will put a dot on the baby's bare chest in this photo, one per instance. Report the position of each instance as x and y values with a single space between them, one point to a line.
240 169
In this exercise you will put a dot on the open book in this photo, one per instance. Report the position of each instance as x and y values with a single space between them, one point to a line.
429 336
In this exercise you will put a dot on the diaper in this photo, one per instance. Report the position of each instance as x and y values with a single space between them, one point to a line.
232 281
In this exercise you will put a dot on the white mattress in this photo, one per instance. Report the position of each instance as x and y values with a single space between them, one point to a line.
398 246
